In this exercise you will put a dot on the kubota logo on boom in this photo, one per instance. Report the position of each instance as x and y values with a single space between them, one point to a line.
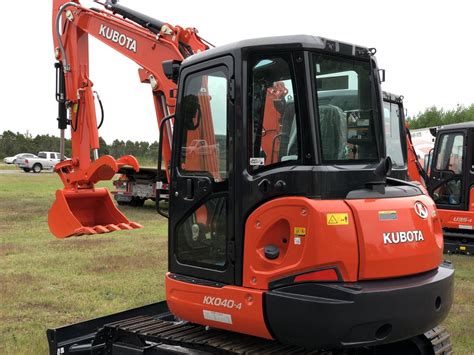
402 237
117 37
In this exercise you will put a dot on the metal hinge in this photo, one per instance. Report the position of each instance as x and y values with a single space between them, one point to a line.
231 251
232 89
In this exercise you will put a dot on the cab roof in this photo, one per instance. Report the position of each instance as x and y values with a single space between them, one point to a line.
462 125
282 42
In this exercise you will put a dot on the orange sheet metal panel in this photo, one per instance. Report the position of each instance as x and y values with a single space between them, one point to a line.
229 307
307 238
397 236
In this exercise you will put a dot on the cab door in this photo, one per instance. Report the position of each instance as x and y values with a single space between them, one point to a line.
448 174
201 193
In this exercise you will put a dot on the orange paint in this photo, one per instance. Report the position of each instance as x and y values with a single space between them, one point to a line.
322 245
81 173
229 307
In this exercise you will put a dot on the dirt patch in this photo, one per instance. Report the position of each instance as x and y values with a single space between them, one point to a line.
13 284
117 263
80 243
10 248
43 306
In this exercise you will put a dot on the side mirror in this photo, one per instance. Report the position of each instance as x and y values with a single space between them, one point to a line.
171 69
381 75
191 112
384 168
428 160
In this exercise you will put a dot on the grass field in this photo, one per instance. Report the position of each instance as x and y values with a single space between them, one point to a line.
45 282
4 166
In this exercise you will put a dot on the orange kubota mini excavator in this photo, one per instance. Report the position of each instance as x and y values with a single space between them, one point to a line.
448 176
285 233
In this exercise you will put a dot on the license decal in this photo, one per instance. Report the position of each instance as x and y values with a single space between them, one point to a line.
337 219
217 316
388 215
257 161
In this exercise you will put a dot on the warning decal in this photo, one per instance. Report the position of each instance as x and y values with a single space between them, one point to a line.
301 231
337 219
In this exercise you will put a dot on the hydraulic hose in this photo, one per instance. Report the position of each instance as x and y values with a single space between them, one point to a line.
101 110
66 66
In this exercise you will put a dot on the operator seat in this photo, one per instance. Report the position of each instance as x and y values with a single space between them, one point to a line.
288 143
333 125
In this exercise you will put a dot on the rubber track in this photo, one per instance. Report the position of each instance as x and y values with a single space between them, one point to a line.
440 340
217 341
198 337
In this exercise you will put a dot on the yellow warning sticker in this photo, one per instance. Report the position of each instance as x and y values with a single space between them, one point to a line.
337 219
301 231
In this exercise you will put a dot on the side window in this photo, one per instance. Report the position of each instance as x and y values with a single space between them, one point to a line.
393 134
273 126
450 154
449 193
204 149
201 238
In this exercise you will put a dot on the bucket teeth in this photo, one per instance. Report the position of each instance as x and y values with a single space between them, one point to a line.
135 225
99 229
125 226
84 231
112 228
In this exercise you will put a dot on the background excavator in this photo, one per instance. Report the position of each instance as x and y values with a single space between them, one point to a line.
447 175
285 233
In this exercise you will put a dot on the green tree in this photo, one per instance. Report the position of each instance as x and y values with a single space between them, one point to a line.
433 116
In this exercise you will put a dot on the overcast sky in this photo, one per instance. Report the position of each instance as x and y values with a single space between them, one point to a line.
426 47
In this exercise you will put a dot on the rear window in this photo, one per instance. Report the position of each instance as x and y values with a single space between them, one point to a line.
42 155
344 90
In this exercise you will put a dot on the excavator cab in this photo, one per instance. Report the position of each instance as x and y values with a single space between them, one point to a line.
272 178
284 224
451 184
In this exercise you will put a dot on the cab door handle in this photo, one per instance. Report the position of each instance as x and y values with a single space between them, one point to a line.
189 189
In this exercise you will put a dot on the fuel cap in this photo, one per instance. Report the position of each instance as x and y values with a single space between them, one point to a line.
271 252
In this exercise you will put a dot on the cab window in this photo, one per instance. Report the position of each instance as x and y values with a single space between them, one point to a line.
450 154
393 138
204 149
274 128
345 115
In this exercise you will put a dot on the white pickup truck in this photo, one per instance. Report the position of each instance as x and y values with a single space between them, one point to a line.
44 161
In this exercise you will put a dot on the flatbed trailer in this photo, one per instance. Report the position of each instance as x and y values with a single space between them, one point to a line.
135 187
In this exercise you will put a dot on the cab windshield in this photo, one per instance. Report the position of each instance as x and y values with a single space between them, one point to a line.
345 109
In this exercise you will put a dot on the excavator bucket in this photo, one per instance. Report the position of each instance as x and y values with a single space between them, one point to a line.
88 211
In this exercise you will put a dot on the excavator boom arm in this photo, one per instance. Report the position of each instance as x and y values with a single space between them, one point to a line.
146 41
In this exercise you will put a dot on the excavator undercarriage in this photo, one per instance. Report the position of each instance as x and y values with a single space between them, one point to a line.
153 329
